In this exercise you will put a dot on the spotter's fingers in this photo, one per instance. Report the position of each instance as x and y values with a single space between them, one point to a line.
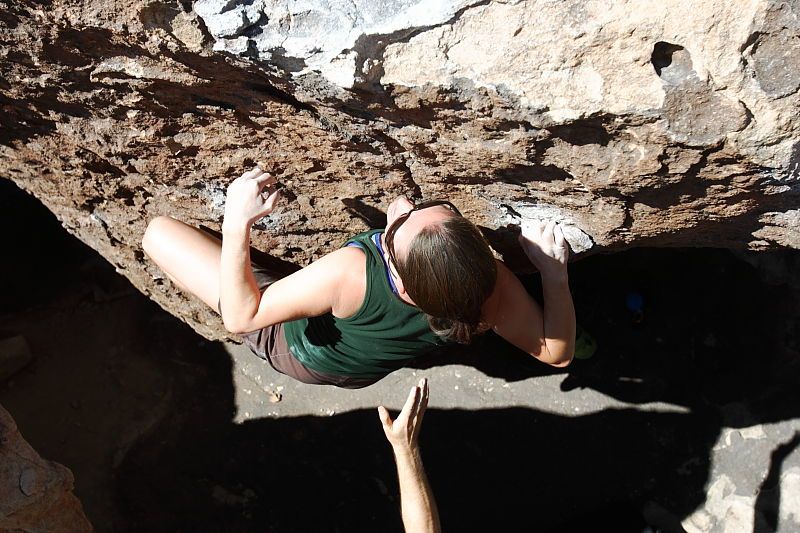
386 420
423 401
410 407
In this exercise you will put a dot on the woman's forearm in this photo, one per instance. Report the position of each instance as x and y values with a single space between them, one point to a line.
418 506
238 292
559 319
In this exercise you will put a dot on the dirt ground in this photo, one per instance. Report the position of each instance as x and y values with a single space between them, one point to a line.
688 416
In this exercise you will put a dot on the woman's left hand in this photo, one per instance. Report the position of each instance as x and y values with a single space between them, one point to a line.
251 196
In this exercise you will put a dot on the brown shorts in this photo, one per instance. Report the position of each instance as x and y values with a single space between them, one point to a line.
270 344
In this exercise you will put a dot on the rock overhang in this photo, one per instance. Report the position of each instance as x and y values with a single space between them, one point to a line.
632 124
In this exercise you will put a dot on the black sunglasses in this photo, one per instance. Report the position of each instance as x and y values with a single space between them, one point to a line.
391 230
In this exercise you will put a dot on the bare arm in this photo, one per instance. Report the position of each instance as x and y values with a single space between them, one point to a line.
559 319
545 246
549 334
417 504
312 291
245 203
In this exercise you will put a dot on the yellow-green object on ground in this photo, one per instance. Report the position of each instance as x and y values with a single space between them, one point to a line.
585 345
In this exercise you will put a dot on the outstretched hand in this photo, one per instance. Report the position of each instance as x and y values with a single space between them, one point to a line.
403 432
250 196
545 246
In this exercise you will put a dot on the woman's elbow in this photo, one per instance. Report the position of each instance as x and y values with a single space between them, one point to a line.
562 362
555 360
234 326
230 328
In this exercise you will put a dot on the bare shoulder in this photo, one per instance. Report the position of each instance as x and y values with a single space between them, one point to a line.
350 266
350 258
342 266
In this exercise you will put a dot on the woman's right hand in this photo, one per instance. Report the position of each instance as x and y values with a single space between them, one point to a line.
250 196
545 246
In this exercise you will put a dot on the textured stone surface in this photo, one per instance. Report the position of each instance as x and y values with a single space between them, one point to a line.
748 465
342 39
35 495
632 123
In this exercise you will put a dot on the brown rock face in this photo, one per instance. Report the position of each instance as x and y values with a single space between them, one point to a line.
35 495
631 125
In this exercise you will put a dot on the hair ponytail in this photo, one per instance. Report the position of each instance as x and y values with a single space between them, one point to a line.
454 330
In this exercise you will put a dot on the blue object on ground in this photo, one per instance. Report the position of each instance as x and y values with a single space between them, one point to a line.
634 302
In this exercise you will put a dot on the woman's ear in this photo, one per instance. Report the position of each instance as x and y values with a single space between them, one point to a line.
398 283
401 289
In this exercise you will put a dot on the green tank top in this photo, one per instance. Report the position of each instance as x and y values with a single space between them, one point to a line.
382 335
